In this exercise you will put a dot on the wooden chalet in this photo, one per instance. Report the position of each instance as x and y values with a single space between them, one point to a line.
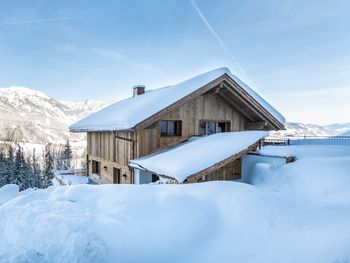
123 135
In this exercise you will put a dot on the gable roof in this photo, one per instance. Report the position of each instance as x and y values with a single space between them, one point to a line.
128 113
199 155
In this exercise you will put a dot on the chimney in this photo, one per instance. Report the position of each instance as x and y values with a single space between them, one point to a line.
138 90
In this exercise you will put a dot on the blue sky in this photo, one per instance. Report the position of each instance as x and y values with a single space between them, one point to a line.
295 53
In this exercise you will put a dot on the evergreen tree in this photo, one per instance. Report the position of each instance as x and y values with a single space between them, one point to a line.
67 156
3 163
23 174
48 174
36 170
83 158
9 174
10 153
58 158
16 179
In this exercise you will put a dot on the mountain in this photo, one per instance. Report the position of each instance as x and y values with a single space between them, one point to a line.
301 129
31 116
339 128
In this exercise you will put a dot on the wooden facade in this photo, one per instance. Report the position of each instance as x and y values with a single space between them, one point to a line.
216 103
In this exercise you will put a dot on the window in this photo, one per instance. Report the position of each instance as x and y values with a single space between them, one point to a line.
211 127
170 128
95 167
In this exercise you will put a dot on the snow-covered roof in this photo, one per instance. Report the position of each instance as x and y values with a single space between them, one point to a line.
197 154
127 113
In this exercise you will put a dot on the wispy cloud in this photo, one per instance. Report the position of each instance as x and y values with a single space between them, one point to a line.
325 92
39 20
218 38
116 56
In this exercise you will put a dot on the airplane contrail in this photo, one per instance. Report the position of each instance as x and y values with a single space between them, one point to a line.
217 37
40 20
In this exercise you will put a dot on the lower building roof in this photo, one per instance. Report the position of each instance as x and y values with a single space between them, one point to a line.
199 154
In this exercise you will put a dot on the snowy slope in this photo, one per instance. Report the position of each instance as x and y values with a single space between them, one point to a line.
31 116
294 213
339 128
345 134
301 129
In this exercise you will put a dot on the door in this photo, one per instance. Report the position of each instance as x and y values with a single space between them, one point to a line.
116 176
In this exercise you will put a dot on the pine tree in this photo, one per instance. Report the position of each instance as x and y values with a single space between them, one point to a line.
10 153
67 156
48 174
58 158
23 174
3 163
36 170
9 176
17 169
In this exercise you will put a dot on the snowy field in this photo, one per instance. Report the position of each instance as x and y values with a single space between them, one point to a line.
299 212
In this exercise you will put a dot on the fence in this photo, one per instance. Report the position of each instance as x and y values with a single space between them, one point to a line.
300 140
72 172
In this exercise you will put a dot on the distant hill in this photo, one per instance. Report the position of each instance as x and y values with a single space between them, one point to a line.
301 129
345 134
339 128
31 116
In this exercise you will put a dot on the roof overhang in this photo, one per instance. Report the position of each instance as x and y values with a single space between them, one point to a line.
232 93
142 111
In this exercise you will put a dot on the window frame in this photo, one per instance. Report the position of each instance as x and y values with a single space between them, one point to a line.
206 130
177 128
95 166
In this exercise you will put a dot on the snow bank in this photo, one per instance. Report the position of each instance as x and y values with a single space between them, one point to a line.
197 154
127 113
321 173
295 213
8 192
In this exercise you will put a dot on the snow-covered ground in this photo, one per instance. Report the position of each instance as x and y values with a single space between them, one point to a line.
294 213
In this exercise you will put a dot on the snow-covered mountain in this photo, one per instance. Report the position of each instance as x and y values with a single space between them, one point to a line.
301 129
345 134
31 116
339 128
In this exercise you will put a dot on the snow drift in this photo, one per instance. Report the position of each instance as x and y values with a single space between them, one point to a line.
295 213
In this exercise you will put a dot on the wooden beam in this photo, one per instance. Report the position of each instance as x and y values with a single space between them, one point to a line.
256 104
258 125
123 138
181 140
231 104
244 100
114 148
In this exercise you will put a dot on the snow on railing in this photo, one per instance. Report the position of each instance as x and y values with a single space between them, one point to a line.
71 172
292 140
72 176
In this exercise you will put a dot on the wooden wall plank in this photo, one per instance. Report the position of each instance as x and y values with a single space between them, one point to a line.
204 107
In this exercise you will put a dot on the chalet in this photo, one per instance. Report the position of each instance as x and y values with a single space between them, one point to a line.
197 130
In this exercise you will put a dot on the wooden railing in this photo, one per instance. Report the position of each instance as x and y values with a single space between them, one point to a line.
72 172
288 140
